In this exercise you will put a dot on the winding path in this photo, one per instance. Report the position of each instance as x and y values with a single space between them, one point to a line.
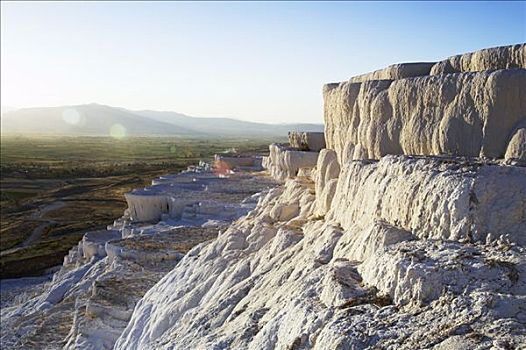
37 232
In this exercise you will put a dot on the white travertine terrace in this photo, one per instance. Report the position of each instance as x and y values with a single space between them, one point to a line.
90 300
237 162
170 196
382 250
403 193
284 162
274 281
151 203
396 71
474 112
504 57
464 114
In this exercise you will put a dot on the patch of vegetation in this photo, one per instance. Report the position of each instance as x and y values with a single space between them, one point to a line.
66 157
36 259
13 233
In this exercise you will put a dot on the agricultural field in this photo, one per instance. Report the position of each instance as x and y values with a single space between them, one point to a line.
54 189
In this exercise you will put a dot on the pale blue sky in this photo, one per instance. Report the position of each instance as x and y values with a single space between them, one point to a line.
253 61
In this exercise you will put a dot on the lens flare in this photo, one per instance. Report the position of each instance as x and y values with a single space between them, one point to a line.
118 131
221 168
71 116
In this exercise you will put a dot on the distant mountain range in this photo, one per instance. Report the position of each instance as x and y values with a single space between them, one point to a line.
100 120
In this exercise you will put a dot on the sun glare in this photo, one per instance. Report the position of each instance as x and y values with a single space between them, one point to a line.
71 116
118 131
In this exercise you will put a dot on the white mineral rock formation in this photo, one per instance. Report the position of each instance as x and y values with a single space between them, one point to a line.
326 174
284 162
464 114
434 198
396 71
379 251
362 280
503 57
172 195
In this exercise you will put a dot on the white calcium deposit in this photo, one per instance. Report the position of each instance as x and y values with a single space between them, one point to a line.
285 162
373 273
504 57
471 111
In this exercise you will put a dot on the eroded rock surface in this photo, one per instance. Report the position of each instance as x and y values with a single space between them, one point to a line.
517 147
475 112
352 281
434 198
285 162
367 247
396 71
503 57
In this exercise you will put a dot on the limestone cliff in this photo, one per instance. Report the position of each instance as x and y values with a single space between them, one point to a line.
504 57
474 111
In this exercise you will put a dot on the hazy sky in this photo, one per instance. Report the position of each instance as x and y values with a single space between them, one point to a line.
253 61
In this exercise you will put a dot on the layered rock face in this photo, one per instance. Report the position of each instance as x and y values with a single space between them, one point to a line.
411 254
395 71
504 57
476 108
285 162
475 199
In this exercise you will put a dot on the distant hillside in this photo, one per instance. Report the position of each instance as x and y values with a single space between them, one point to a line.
92 119
227 126
99 120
